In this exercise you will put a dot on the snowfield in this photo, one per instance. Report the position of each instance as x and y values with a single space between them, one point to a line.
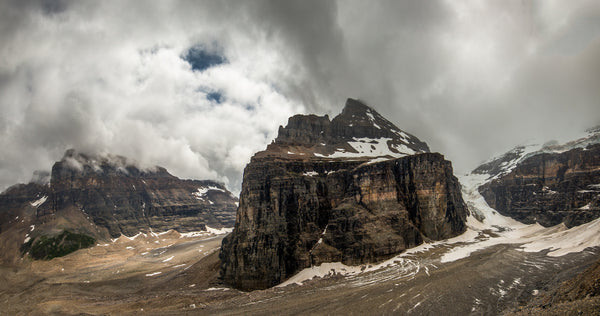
371 147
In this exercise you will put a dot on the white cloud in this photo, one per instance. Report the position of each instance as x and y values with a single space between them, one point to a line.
470 78
98 80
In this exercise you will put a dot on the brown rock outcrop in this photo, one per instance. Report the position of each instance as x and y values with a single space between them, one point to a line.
125 199
106 196
299 208
550 188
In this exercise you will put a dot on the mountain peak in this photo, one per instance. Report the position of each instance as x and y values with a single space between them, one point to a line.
359 131
504 164
76 162
355 106
357 114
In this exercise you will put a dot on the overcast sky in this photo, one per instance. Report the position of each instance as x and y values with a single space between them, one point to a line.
199 86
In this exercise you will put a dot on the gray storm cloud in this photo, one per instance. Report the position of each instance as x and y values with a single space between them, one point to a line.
472 78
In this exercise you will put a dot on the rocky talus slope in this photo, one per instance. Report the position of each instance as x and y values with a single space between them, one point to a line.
355 189
549 185
107 196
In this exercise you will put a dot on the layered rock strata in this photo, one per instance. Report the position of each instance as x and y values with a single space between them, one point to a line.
317 194
105 197
550 188
125 199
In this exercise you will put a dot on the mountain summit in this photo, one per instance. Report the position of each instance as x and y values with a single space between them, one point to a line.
355 190
359 131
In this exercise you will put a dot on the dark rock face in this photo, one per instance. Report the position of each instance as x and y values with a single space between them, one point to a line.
550 188
358 120
357 123
127 200
499 165
300 210
106 196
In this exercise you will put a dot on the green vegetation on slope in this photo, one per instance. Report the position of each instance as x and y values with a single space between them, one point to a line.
46 248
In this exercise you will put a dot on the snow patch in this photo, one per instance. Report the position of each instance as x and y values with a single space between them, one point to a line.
405 267
325 269
193 234
153 274
376 160
209 230
217 289
371 147
586 207
202 191
563 242
169 259
219 231
403 149
39 202
416 305
586 191
311 173
372 118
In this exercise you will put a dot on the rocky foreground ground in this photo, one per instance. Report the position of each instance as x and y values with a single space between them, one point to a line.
170 275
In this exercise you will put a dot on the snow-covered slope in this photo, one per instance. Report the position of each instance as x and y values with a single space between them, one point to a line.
549 184
558 239
504 164
532 238
370 147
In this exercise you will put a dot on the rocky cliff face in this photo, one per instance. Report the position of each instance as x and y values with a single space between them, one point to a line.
549 183
126 200
550 188
356 124
355 189
357 132
106 196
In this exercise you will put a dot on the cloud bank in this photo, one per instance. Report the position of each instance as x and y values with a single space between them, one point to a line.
198 87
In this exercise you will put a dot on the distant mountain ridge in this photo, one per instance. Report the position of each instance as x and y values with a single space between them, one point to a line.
505 163
550 184
106 196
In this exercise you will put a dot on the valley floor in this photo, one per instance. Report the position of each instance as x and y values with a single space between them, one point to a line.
491 281
498 266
